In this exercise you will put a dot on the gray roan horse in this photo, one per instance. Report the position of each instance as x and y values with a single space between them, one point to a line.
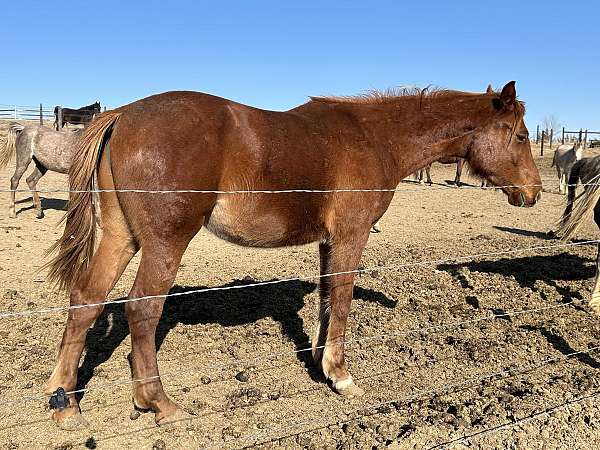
49 150
586 170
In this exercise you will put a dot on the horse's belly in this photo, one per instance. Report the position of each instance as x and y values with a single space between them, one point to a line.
250 223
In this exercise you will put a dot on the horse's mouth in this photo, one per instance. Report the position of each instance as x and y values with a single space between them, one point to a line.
523 199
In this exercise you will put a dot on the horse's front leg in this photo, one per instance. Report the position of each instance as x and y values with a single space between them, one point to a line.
342 254
32 181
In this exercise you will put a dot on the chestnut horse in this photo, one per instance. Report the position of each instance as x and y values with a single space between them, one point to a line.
189 140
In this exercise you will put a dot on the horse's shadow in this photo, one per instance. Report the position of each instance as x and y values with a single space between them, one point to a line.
527 271
232 307
57 204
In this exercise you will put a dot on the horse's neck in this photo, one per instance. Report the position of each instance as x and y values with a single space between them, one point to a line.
414 143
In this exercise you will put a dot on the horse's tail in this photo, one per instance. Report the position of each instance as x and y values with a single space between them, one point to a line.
77 244
9 147
574 217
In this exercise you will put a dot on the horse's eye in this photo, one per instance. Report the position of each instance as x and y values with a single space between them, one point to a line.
521 138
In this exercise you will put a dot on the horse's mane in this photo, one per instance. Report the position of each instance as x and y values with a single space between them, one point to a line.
391 95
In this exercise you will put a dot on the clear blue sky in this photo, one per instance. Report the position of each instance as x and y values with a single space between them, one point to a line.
274 54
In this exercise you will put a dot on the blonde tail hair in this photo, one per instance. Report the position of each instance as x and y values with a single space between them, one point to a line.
9 147
584 207
75 248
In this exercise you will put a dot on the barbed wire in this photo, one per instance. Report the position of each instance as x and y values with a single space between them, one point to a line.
406 400
517 422
307 349
10 314
284 191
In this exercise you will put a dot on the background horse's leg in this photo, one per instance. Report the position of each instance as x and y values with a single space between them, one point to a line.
32 181
21 167
107 265
342 254
428 171
595 300
158 268
459 166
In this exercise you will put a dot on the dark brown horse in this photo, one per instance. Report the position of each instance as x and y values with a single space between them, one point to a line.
209 143
79 116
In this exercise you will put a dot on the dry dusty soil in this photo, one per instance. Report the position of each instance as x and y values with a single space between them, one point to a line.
434 376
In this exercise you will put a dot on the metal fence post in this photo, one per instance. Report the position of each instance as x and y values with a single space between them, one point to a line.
537 134
41 115
551 136
563 135
542 147
585 139
59 118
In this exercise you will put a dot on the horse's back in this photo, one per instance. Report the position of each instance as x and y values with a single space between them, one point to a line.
195 141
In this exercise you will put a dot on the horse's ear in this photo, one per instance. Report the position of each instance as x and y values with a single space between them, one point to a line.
508 97
489 89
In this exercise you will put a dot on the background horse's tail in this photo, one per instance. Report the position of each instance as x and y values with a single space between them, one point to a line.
76 246
573 218
9 147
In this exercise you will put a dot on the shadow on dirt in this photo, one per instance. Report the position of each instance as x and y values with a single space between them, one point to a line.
560 344
521 232
227 308
531 269
57 204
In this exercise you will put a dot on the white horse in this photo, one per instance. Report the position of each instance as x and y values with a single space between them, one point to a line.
48 149
564 157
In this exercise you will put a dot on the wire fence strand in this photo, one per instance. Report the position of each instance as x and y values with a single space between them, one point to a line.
423 394
9 314
239 362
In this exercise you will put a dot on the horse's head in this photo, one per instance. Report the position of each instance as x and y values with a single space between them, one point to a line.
96 106
500 150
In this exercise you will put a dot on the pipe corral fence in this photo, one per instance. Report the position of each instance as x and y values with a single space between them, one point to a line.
41 113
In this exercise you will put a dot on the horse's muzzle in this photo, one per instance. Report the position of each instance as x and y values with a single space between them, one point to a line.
524 198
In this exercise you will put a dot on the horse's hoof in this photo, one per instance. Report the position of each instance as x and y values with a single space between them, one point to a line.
375 229
175 419
12 215
70 419
347 388
40 215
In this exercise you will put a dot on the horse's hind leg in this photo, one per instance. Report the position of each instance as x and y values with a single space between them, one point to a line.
459 167
341 255
20 169
32 181
158 267
113 254
116 249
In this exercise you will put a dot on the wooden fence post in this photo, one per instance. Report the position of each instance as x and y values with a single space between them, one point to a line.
542 147
580 134
41 115
585 139
59 118
537 134
563 135
551 136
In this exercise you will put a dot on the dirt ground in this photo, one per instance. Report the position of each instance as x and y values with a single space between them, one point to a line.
431 388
